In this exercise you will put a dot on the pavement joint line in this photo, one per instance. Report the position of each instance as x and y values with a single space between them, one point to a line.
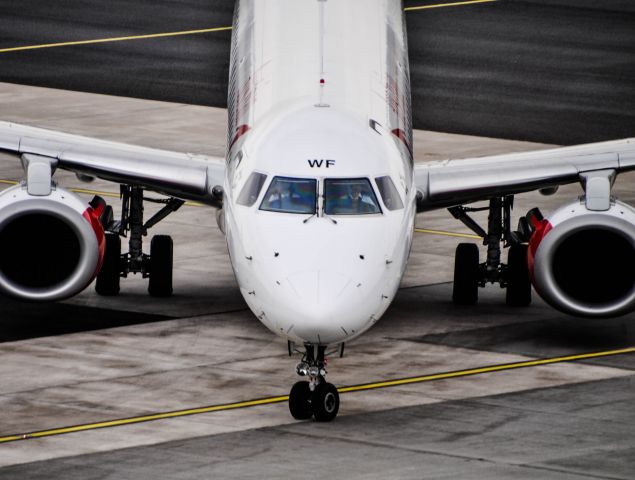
284 398
197 31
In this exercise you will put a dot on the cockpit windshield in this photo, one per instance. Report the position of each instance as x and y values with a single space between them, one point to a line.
349 196
291 195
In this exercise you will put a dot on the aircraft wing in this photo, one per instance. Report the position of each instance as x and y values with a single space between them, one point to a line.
455 182
183 175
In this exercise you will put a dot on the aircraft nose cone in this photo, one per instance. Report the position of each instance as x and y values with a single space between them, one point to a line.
319 287
326 301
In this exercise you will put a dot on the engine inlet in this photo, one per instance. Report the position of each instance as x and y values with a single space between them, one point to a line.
38 250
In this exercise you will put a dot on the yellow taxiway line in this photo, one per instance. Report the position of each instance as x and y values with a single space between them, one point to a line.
115 39
284 398
197 32
443 5
96 192
448 234
196 204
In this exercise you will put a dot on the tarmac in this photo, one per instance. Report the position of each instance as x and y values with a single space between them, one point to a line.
478 392
555 71
194 386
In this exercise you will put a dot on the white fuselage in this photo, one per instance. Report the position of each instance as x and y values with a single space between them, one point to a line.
319 89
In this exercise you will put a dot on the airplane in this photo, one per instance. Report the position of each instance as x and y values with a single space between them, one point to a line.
317 195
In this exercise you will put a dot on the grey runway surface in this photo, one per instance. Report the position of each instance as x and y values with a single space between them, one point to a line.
550 71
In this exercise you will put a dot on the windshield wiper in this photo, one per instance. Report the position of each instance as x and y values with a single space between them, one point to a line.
329 217
320 208
319 211
309 218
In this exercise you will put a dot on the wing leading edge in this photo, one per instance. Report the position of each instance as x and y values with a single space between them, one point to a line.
455 182
183 175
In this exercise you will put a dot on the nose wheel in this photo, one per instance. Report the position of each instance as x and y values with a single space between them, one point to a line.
300 401
316 397
325 402
322 403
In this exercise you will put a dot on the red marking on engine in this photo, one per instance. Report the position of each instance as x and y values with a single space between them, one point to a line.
240 131
322 82
92 216
542 228
99 209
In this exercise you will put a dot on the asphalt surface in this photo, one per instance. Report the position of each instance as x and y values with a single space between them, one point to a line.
492 437
580 430
21 321
551 71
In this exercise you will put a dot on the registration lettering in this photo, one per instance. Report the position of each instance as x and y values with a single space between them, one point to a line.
313 163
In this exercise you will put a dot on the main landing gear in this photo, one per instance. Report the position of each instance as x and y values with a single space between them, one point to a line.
314 398
470 274
157 266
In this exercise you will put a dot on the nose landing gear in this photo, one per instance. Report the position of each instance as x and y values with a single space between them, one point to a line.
314 398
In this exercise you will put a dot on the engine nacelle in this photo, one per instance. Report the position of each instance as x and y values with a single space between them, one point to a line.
582 262
51 247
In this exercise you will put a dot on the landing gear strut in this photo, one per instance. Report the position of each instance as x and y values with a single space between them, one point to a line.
157 266
314 398
469 274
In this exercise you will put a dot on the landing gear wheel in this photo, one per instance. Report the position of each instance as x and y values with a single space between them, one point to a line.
325 402
161 259
300 401
466 274
518 283
108 278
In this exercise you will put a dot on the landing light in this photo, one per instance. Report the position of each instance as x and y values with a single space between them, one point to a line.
302 369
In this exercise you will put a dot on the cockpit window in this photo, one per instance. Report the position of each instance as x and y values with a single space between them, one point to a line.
251 190
389 193
290 195
349 196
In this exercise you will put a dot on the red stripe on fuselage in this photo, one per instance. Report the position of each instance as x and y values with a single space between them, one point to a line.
401 135
240 131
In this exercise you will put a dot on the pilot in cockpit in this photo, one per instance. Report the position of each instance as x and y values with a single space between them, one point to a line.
350 201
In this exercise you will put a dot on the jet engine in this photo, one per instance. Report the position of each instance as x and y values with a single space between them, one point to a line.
582 261
51 246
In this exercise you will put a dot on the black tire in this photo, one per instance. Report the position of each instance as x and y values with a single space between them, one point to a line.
109 275
300 401
325 402
518 282
466 274
161 260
